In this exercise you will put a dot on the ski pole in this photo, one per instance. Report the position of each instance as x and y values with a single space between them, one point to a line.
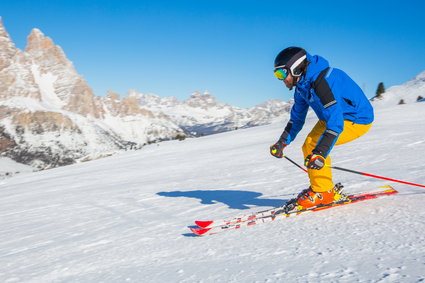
374 176
357 172
296 164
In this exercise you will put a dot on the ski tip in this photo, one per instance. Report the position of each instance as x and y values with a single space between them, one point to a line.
200 232
203 224
389 190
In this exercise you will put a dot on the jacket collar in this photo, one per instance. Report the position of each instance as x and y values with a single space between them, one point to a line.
317 64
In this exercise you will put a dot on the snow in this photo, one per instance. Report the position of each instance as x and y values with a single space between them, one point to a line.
19 102
46 85
125 218
9 167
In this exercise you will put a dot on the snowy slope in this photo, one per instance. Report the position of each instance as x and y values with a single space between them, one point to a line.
409 92
9 167
125 218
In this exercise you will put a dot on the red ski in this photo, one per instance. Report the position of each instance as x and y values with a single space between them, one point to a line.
277 213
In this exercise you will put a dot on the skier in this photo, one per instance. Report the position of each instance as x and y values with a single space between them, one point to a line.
344 113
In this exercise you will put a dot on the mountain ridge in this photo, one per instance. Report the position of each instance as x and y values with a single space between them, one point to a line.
51 117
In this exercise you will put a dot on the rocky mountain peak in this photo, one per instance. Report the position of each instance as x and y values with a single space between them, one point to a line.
130 107
7 48
111 95
38 41
45 53
3 32
49 115
198 94
56 77
202 100
153 101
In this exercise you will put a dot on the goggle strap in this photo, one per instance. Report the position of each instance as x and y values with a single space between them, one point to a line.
295 60
295 65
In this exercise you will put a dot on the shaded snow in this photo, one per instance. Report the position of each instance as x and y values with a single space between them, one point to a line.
125 218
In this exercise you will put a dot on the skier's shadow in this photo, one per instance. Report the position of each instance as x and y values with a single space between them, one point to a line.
233 199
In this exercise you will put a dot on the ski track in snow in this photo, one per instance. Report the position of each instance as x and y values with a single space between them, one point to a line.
125 218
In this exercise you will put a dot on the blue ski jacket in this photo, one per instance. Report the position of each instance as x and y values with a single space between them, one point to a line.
333 96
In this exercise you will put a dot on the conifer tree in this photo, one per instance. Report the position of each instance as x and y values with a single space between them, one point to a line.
380 90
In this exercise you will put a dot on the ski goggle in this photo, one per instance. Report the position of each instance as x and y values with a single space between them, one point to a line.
281 74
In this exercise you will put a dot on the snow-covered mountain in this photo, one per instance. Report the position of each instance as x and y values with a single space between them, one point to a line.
409 92
201 114
49 115
125 218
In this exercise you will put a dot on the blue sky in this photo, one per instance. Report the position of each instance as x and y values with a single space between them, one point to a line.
172 48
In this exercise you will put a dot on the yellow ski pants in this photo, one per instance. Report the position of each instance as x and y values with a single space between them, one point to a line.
321 180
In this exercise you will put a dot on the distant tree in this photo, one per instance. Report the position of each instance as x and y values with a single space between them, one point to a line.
380 90
419 98
401 101
180 137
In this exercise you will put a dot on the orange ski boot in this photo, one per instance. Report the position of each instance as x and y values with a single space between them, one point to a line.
308 198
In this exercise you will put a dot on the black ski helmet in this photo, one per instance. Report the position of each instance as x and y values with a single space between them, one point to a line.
291 59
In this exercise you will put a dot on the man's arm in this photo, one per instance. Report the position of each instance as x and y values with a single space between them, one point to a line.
297 119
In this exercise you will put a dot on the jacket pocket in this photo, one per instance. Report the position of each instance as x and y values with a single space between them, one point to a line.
349 102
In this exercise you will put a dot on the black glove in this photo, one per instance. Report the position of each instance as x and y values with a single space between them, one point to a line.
277 149
314 161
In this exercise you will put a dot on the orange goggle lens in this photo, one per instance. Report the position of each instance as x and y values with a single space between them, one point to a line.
281 74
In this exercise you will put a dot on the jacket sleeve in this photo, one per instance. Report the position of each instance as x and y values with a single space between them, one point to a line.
297 119
333 115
